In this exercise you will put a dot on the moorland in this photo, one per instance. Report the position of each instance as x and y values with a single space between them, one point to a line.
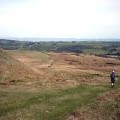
59 80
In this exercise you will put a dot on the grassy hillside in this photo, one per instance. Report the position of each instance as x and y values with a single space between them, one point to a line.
57 86
12 71
81 102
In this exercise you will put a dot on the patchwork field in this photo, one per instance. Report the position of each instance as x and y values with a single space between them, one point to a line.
57 86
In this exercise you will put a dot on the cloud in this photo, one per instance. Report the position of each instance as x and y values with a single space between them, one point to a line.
60 18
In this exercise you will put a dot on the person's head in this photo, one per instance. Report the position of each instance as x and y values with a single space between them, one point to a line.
113 71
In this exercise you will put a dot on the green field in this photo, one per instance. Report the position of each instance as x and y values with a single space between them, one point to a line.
50 104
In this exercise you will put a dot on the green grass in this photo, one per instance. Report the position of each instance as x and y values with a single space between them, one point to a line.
52 104
95 51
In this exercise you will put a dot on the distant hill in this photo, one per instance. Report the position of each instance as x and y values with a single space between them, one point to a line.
95 47
11 44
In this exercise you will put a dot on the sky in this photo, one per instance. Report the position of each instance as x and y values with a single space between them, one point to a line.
60 18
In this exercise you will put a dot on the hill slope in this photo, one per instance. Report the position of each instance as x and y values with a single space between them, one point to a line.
12 71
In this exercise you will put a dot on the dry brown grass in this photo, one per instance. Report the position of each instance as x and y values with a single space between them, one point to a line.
14 72
28 72
57 69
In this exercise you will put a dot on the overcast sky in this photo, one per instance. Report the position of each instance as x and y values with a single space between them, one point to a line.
60 18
